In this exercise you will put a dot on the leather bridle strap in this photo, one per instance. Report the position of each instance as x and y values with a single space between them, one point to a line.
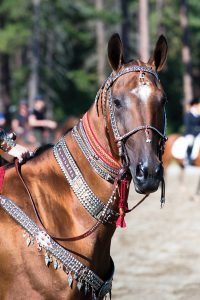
142 127
137 204
108 97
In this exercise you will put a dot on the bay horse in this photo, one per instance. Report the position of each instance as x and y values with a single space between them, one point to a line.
78 188
168 157
168 154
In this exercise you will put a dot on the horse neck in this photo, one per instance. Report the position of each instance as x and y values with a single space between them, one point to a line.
59 209
64 215
48 189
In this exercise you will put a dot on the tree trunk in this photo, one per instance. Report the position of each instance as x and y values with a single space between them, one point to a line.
100 44
33 85
4 79
186 55
125 28
5 86
144 30
159 6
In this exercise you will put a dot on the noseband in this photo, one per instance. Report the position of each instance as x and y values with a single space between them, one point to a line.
121 139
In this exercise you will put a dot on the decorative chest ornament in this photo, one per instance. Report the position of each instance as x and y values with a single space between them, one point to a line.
44 240
86 280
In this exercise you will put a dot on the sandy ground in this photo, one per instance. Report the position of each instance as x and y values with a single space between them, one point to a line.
158 255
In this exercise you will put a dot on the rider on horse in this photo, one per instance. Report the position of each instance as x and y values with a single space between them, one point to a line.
9 146
192 127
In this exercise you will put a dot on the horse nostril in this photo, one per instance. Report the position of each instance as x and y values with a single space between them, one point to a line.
141 171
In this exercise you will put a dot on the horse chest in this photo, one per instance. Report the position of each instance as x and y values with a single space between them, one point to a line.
26 275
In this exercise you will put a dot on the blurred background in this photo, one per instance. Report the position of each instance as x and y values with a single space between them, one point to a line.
57 48
53 60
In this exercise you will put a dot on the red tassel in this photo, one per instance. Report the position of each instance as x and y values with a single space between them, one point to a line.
123 194
2 172
120 222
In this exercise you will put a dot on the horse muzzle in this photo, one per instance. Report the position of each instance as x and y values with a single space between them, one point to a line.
146 179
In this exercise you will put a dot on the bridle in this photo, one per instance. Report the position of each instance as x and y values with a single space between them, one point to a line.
121 139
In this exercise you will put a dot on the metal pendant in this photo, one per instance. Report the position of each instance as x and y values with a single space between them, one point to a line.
47 259
79 285
70 280
39 248
87 288
148 140
94 297
55 264
28 241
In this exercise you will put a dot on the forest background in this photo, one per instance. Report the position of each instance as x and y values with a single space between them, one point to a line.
58 48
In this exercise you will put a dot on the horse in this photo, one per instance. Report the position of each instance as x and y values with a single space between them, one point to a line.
78 189
168 154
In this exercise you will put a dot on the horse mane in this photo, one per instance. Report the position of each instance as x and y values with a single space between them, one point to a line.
40 150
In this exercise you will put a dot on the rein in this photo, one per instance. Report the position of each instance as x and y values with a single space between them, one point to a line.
88 232
66 239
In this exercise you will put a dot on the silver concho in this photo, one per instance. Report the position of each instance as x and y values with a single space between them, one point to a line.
44 240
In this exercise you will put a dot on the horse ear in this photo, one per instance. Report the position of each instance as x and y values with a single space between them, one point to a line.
160 54
115 52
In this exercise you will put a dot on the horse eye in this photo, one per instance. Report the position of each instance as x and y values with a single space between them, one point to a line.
117 103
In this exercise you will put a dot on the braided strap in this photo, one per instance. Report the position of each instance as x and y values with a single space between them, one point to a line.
6 142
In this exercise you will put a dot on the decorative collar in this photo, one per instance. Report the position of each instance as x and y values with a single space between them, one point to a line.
97 147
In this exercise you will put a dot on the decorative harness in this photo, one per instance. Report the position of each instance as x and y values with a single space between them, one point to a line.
120 139
106 167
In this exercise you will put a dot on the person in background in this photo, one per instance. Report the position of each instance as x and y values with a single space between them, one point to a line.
20 120
38 122
9 148
20 124
192 127
2 119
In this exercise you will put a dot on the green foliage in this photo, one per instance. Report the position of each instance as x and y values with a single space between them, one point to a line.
12 37
67 49
173 73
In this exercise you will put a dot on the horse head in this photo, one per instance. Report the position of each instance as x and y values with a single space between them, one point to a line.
136 103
